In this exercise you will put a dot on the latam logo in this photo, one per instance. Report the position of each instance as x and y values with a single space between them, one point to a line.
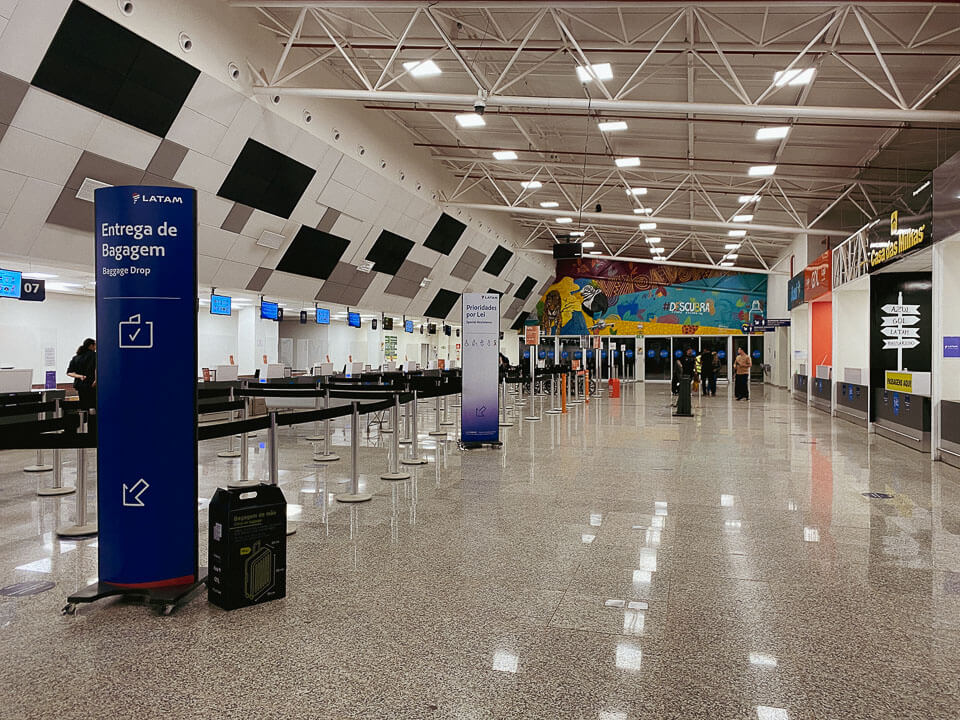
176 199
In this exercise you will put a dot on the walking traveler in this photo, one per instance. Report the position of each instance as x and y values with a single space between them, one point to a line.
83 370
708 372
742 368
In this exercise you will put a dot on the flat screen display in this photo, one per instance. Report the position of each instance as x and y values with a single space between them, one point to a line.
10 283
408 326
432 328
269 310
220 304
353 319
388 323
323 316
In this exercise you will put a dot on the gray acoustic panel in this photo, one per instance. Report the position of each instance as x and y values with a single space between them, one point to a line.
237 218
151 179
259 279
353 294
346 285
468 264
3 130
72 212
330 292
412 271
329 218
515 307
12 91
402 287
167 159
69 211
545 287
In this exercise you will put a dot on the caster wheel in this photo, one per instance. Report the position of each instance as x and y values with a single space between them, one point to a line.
69 609
168 610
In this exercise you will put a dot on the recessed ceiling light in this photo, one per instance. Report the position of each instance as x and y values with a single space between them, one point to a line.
564 220
647 226
38 276
761 170
593 252
601 71
470 120
742 218
588 243
656 250
732 246
504 155
422 68
636 191
627 162
792 77
549 204
773 133
743 199
642 211
736 233
731 256
531 184
612 126
653 240
726 264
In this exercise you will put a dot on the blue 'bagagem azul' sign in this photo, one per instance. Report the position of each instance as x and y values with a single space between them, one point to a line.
146 264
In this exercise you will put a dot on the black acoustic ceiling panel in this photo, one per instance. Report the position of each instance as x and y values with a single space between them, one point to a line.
98 63
525 287
445 234
313 253
519 322
442 304
266 179
491 291
498 261
389 252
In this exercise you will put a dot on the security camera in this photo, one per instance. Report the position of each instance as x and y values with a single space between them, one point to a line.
479 105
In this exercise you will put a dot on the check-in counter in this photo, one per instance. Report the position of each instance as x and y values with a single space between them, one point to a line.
852 402
820 392
950 432
800 387
902 417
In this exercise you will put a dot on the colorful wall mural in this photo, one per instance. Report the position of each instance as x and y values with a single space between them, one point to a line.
622 298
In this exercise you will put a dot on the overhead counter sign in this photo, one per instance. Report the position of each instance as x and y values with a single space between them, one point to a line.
906 230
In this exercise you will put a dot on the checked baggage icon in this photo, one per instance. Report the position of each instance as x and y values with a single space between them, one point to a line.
136 334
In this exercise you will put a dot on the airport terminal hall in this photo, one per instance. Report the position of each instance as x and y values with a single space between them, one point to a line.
480 359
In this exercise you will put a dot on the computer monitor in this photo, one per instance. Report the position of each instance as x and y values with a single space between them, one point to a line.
353 319
388 323
323 316
408 326
10 282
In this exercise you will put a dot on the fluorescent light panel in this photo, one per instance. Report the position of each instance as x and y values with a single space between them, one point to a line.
762 170
422 68
470 120
736 233
647 226
642 211
793 76
504 155
564 220
549 204
593 252
600 71
577 233
744 199
588 243
531 184
653 240
773 133
612 126
732 246
636 191
627 162
742 218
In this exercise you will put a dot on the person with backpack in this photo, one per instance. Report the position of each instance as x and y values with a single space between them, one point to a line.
83 370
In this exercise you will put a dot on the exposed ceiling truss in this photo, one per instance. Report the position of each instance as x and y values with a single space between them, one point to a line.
693 82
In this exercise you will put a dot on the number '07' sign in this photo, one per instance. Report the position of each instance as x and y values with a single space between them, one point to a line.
34 290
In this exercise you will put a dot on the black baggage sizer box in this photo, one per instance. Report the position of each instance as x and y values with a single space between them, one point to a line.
248 546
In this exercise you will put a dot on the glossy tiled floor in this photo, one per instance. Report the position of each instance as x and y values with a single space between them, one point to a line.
612 563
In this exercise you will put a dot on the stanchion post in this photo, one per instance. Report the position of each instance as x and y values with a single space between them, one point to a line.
503 403
273 450
58 488
446 420
230 452
327 456
554 393
316 423
354 495
563 394
244 452
393 471
413 457
437 432
81 528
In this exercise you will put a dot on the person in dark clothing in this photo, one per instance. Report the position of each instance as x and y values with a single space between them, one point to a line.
688 362
677 372
741 366
83 370
708 372
504 361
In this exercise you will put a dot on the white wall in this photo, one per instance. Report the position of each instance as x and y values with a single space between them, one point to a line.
217 338
26 328
851 329
800 340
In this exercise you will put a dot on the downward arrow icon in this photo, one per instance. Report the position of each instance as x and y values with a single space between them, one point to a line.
131 495
481 411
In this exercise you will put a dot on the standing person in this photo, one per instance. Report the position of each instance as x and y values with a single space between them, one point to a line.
83 370
741 367
708 372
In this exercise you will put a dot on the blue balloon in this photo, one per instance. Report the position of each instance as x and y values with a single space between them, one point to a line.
526 354
542 354
664 353
721 354
678 353
756 354
616 353
578 354
551 354
629 353
589 354
603 354
564 354
651 353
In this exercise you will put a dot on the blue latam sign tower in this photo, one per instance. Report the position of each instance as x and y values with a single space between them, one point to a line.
146 264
